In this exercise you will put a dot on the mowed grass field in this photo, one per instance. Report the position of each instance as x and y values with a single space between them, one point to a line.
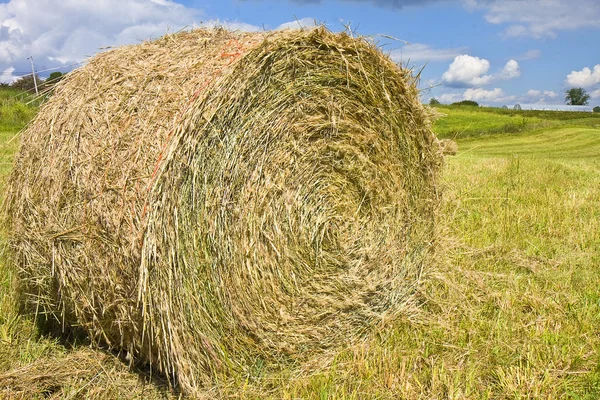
510 310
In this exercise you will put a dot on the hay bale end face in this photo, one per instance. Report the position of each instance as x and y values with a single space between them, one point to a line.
212 198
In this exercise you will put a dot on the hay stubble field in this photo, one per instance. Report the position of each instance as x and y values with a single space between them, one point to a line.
510 310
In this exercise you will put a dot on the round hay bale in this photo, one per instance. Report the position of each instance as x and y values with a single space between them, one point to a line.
213 198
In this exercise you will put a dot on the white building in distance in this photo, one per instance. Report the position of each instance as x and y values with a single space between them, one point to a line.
552 107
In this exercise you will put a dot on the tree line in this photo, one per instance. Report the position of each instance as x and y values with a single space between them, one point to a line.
573 97
27 83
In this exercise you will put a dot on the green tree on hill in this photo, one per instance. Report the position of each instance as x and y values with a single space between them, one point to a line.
469 103
434 102
54 77
577 97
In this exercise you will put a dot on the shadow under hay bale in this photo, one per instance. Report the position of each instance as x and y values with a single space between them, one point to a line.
213 198
81 374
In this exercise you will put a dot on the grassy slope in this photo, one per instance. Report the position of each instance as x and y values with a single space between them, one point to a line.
463 122
524 214
511 311
14 114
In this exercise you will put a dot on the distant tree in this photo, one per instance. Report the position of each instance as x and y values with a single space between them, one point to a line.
26 83
469 103
434 102
4 85
597 109
577 97
54 77
517 107
505 107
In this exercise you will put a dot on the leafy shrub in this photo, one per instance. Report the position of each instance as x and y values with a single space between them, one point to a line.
26 83
54 77
469 103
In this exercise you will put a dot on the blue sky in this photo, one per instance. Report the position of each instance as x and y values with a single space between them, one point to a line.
492 51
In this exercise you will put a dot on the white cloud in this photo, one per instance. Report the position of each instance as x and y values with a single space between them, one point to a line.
595 94
585 78
539 18
230 25
60 33
393 4
469 71
539 96
516 31
496 95
470 5
57 32
299 24
423 52
450 97
7 75
530 55
545 94
511 70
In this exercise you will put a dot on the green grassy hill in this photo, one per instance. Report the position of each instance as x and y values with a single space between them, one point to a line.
462 122
521 306
510 311
14 115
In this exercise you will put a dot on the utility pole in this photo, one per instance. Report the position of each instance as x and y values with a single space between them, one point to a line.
34 80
